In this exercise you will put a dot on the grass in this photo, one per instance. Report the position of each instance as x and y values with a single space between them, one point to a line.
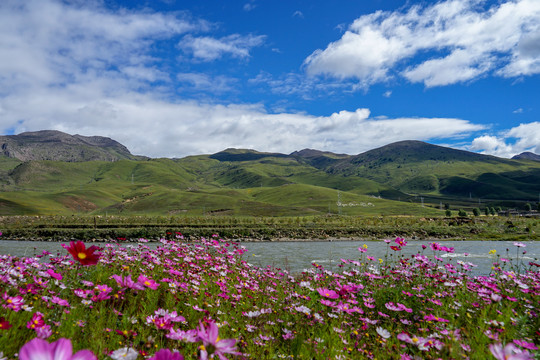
390 308
266 228
240 182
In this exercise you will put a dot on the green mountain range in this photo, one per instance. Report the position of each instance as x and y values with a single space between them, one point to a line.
49 172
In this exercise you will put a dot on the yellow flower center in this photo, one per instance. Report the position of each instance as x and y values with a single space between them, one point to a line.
81 256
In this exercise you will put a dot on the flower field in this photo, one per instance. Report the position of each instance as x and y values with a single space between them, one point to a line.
200 300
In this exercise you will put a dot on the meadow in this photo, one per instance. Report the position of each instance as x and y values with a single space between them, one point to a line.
202 299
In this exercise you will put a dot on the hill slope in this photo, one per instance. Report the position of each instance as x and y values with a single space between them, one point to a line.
392 180
416 167
58 146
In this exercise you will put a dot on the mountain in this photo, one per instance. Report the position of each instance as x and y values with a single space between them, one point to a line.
243 155
416 167
319 159
404 178
59 146
527 156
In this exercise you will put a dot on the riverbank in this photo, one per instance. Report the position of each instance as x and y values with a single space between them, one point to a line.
320 228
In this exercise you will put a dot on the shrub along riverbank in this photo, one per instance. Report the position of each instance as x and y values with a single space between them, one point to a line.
106 228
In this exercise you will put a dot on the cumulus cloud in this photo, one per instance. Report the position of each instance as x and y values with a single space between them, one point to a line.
154 127
445 43
90 70
522 138
207 48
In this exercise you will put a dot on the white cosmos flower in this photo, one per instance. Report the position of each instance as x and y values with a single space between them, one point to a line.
385 334
124 354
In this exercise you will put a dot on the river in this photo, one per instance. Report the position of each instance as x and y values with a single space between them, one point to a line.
295 256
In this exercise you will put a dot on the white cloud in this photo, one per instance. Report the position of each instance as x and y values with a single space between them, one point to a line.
155 127
207 48
298 13
90 70
522 138
445 43
49 43
207 83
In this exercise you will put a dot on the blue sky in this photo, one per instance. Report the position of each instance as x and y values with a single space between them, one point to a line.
176 78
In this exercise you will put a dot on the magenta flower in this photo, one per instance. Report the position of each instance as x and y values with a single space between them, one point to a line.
331 294
414 340
14 303
187 336
525 344
55 275
103 292
36 321
166 354
400 241
149 283
509 352
58 350
432 317
43 332
212 345
59 301
127 282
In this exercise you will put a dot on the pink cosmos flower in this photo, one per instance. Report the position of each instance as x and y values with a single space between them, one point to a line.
328 303
36 321
414 340
525 344
43 332
509 352
166 354
163 319
59 301
187 336
149 283
397 307
331 294
127 282
54 275
58 350
14 303
432 317
103 292
400 241
212 345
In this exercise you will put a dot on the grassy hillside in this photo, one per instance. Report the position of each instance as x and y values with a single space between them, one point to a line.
269 186
414 167
394 180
